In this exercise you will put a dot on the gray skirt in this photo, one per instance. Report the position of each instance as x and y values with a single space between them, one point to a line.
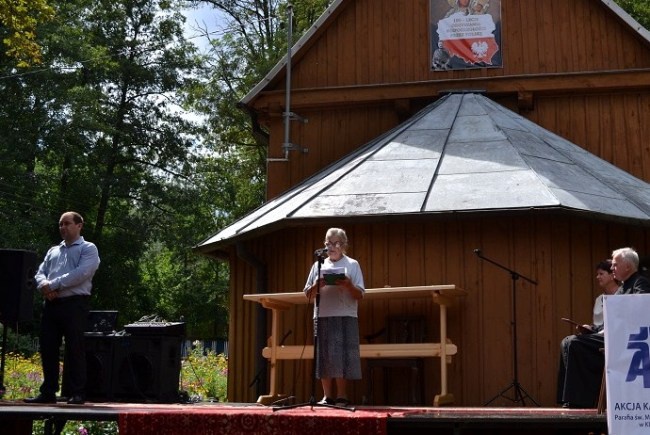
337 353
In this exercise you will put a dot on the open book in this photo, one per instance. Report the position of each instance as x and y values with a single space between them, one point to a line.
332 274
580 326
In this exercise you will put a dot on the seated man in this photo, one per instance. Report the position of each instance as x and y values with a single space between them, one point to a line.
582 362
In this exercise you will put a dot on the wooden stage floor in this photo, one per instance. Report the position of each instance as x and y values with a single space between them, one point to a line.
242 418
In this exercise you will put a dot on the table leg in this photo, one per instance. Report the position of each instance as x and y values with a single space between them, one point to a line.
272 396
444 398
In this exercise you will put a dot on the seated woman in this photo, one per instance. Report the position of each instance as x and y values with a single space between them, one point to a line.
579 378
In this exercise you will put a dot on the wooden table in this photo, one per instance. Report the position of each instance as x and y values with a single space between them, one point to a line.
443 296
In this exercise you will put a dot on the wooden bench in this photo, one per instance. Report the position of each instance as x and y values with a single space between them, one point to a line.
443 296
383 350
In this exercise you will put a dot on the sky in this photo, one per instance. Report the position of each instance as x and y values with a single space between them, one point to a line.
201 18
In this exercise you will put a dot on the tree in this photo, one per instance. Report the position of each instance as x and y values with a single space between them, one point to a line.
639 9
253 42
101 129
19 19
145 154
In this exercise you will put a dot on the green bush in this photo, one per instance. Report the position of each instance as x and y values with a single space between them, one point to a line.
23 375
203 376
20 342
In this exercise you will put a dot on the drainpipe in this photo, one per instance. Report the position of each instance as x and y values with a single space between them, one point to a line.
288 115
260 380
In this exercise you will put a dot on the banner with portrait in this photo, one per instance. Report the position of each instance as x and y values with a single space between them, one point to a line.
627 363
465 34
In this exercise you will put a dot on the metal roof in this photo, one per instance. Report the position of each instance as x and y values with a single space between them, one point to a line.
463 153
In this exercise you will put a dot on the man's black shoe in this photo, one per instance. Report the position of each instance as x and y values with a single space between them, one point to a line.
76 400
571 405
41 398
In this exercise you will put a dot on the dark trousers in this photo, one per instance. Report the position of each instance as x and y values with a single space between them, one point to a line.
64 318
581 370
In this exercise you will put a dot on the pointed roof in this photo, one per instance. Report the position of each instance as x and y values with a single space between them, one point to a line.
464 153
332 11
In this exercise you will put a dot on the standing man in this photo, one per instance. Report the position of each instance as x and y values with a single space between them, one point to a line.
65 281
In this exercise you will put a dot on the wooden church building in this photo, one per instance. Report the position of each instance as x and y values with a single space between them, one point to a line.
497 147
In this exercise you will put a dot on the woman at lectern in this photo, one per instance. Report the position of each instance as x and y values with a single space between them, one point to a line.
339 287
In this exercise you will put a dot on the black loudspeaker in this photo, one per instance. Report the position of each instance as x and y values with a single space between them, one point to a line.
17 285
100 356
147 369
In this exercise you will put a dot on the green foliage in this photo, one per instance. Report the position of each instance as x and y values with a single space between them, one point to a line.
19 20
20 342
255 40
80 428
22 375
101 129
176 280
639 9
203 377
125 123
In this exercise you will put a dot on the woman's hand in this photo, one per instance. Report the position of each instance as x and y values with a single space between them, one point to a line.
346 283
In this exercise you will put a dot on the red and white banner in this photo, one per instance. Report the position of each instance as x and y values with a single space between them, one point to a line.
627 362
465 34
469 37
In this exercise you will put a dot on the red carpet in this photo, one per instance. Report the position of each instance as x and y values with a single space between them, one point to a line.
252 420
245 418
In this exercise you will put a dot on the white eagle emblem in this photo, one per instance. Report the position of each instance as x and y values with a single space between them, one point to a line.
480 49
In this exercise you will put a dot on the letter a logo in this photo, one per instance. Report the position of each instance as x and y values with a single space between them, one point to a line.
640 363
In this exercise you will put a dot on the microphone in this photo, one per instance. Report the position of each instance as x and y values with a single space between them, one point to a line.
477 251
320 253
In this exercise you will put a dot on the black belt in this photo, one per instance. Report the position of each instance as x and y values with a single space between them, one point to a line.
57 301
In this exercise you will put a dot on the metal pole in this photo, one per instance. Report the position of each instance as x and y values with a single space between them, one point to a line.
287 97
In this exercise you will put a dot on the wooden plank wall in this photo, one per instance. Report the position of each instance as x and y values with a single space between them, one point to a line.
558 252
388 45
386 41
615 127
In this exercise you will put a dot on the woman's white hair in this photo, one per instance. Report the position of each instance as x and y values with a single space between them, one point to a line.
337 232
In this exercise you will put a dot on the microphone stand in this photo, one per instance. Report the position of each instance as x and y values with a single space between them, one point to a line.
520 394
320 255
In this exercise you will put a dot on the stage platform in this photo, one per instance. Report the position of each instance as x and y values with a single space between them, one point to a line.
242 418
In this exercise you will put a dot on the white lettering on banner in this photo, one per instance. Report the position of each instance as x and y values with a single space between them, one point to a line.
466 27
627 363
470 38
